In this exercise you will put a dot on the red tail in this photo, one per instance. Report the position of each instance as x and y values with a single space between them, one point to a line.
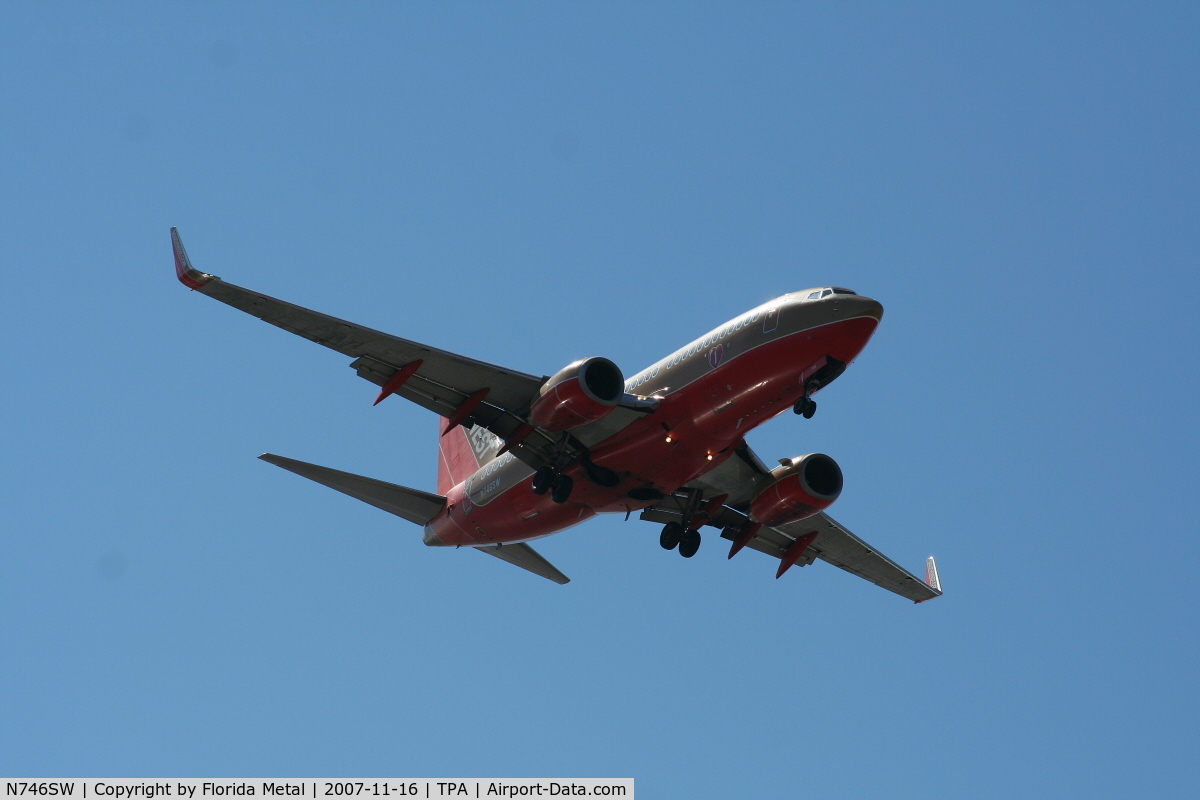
456 457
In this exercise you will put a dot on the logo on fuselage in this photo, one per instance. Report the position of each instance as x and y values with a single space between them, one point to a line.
482 440
715 355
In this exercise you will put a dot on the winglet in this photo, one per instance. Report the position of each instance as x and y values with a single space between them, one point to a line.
189 277
931 575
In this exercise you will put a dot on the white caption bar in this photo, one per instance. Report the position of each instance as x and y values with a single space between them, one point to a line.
315 788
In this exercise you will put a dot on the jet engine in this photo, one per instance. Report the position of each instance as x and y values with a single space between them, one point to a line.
802 487
577 394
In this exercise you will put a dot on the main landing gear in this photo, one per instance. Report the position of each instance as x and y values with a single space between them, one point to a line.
675 535
694 512
550 480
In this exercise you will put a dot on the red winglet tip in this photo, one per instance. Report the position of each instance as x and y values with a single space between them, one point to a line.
188 276
931 575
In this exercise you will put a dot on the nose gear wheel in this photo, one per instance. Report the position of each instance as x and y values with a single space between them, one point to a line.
806 407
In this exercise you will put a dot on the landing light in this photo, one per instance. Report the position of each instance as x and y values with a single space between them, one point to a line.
668 440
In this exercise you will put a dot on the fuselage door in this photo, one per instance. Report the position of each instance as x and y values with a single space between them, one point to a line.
771 320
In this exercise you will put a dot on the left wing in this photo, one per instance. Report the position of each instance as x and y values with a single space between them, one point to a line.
742 476
492 397
838 546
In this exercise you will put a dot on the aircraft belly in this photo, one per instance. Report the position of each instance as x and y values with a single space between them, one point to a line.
695 428
765 381
499 506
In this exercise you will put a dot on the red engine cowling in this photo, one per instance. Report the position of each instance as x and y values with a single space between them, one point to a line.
802 487
579 393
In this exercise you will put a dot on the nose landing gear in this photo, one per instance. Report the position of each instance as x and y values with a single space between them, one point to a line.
806 407
826 374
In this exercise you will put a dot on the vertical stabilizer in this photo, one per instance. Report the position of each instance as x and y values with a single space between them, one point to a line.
461 452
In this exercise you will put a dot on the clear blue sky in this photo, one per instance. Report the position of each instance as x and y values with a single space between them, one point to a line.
534 183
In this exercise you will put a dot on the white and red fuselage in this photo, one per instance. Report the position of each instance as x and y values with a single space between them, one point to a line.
709 395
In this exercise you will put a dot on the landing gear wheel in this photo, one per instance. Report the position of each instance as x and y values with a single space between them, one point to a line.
563 485
543 480
670 535
689 543
806 407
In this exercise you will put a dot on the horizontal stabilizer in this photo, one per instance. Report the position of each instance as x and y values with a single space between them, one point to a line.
411 504
525 557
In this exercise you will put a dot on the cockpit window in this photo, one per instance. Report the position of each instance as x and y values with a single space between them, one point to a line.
828 290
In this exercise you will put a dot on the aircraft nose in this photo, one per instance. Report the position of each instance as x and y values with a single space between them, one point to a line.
857 306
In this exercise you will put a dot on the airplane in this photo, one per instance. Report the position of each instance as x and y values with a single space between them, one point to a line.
522 456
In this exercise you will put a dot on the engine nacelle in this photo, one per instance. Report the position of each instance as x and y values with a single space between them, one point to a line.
579 393
802 487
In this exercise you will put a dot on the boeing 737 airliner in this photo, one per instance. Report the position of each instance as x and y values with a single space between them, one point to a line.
523 456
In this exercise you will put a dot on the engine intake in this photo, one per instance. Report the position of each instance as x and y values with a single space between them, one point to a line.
802 487
577 394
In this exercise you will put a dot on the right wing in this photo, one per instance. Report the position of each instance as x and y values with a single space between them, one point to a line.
442 382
